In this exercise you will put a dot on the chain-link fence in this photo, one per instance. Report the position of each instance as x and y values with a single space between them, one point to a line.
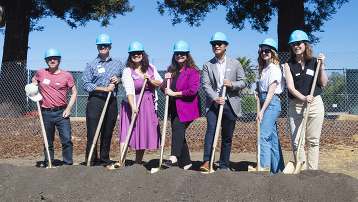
340 96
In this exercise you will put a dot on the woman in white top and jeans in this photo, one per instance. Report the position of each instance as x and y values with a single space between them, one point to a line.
270 86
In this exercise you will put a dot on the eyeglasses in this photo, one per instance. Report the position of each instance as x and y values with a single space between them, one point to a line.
136 53
180 53
266 51
296 43
102 45
219 43
53 58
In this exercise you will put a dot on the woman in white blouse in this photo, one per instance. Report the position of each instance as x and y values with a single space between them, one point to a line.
270 86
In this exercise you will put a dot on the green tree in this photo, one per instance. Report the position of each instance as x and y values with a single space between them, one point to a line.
307 15
249 73
335 91
22 16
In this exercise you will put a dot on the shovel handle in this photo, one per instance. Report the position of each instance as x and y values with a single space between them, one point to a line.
217 130
129 133
164 130
258 137
94 142
304 122
44 135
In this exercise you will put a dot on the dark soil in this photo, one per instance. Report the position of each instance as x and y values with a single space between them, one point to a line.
135 183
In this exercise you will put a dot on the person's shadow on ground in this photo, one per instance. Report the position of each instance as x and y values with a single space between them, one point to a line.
56 162
234 166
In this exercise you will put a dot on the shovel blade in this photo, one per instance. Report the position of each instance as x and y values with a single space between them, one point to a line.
298 167
154 170
255 169
290 168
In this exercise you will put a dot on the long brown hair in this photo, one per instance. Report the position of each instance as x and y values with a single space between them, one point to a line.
144 62
262 62
307 54
189 63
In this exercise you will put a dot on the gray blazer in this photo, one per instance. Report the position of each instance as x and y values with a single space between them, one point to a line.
234 72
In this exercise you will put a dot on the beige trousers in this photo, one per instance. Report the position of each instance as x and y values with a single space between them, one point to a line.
296 113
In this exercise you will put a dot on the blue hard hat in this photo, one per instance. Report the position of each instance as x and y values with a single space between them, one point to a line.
181 46
270 42
135 46
219 36
298 35
51 52
103 39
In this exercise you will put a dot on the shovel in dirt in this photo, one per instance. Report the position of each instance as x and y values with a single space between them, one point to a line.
295 167
32 91
129 133
44 135
216 136
164 130
258 149
94 142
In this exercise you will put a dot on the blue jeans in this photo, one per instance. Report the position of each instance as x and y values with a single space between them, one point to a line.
227 125
271 153
52 119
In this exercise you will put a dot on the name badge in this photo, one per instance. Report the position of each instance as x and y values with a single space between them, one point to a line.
58 84
135 77
310 72
46 81
101 70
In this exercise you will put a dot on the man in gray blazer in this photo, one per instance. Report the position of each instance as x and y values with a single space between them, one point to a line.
218 72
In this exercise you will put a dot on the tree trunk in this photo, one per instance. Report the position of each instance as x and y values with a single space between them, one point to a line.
290 17
13 70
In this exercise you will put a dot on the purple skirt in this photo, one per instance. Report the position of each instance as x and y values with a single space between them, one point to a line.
146 130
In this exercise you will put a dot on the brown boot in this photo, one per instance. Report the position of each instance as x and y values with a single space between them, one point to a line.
205 167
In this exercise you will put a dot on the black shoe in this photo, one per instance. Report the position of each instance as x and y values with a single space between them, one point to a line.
169 163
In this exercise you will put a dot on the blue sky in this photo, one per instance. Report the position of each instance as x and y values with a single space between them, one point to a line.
158 36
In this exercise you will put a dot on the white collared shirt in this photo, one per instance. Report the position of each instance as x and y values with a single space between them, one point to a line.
221 67
269 75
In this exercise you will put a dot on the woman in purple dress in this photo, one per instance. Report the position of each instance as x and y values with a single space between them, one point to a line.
146 130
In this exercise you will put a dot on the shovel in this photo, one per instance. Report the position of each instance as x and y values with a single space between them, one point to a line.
295 167
44 135
129 133
258 151
94 143
217 130
154 170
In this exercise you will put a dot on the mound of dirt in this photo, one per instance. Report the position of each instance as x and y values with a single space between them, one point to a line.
135 183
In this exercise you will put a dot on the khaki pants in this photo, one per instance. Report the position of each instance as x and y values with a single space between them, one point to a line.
313 131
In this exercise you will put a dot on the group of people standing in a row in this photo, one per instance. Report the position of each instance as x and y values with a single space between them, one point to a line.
104 73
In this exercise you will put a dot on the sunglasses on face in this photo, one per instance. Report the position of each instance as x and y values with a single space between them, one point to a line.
296 43
136 53
219 43
180 53
52 58
102 45
266 51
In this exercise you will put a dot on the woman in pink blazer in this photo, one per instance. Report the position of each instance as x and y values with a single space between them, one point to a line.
184 102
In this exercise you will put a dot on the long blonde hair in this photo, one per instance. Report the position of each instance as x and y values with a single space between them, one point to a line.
262 62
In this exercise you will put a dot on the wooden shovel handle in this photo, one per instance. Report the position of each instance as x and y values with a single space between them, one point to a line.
94 142
44 135
164 130
129 133
217 130
304 122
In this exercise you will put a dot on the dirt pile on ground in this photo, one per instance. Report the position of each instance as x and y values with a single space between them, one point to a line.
135 183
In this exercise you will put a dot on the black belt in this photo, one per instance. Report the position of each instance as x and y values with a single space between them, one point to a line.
54 109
